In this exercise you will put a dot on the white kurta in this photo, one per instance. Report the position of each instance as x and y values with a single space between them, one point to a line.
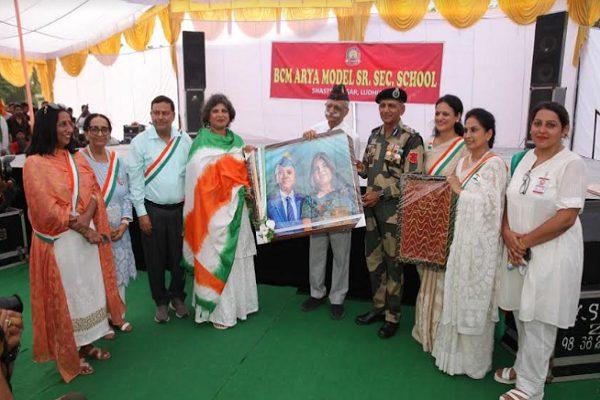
240 296
464 338
81 276
323 127
549 291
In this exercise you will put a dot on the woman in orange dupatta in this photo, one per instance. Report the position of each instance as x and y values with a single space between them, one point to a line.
72 274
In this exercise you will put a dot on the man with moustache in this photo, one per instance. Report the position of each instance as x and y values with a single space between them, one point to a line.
393 149
156 165
336 109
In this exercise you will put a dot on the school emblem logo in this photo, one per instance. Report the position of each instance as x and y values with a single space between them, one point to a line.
352 56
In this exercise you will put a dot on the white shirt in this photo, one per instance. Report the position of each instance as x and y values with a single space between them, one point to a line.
5 141
169 185
323 127
549 291
292 198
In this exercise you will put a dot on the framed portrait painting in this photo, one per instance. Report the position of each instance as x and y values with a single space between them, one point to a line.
305 186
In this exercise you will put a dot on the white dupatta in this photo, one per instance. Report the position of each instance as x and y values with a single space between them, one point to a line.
476 248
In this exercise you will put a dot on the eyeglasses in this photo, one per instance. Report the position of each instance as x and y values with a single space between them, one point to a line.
525 184
99 130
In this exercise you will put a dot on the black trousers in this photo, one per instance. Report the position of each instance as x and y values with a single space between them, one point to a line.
163 250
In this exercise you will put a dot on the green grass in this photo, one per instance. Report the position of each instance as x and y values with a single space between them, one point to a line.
278 353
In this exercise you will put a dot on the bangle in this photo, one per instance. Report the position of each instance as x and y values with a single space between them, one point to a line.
125 221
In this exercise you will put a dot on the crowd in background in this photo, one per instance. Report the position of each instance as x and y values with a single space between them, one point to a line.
16 126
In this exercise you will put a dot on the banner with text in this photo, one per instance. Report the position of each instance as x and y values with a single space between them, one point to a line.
309 70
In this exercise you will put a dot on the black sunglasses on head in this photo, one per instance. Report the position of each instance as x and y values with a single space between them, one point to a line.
54 106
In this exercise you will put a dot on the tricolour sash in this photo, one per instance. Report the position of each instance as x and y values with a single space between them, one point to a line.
46 238
164 157
215 180
516 160
454 148
112 176
74 179
476 168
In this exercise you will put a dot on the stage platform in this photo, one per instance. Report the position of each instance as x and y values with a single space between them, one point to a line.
278 353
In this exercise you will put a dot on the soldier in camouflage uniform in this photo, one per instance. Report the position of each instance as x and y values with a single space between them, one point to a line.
393 149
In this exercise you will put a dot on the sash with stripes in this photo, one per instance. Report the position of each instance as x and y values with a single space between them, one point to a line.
46 238
112 176
476 168
162 160
74 179
454 148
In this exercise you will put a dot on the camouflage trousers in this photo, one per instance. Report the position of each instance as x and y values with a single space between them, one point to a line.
386 275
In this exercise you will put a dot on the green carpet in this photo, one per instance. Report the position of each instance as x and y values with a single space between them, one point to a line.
278 353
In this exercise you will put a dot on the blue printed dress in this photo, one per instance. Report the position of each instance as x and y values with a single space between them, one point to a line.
118 208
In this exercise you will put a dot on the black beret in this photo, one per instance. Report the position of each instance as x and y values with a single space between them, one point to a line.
392 94
338 92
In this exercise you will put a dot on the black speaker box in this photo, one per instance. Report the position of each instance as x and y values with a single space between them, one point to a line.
194 98
194 62
13 237
550 32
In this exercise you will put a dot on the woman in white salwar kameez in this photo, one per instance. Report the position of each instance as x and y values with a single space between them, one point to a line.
465 335
112 178
541 223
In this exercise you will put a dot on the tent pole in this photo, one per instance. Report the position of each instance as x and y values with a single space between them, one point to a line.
24 62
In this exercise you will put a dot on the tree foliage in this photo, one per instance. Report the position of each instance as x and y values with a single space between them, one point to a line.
10 93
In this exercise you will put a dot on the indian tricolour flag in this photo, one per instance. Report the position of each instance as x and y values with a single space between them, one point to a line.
215 182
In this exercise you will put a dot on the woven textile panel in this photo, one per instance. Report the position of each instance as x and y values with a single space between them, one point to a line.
426 212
